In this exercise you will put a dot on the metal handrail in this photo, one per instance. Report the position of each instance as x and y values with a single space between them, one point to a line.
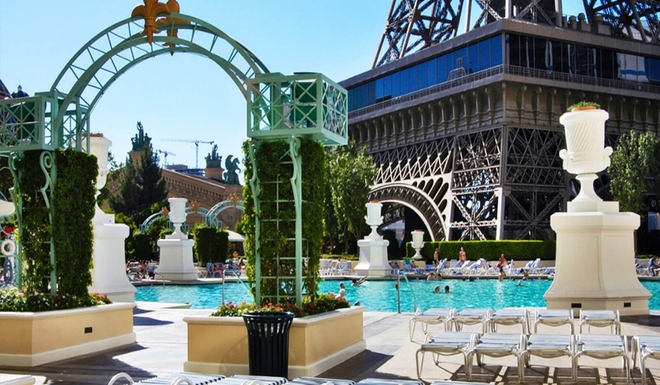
231 271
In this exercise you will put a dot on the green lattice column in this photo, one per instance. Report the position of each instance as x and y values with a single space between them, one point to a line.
287 108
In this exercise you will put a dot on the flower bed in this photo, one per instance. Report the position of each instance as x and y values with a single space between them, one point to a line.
316 343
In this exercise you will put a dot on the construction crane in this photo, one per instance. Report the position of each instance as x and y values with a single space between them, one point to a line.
196 141
165 153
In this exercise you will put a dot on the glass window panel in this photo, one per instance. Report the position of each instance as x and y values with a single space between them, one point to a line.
387 86
484 55
442 69
422 76
404 79
451 62
461 58
371 93
495 50
396 84
472 60
653 69
379 88
432 69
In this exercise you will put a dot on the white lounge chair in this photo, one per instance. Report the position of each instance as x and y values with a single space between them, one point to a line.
601 319
509 316
446 344
602 346
497 345
471 317
548 346
644 347
170 379
553 318
430 317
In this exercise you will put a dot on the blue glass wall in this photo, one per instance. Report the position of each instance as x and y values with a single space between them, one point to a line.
521 50
475 57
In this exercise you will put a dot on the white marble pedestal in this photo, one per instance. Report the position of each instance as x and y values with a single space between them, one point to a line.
595 268
176 260
109 271
373 258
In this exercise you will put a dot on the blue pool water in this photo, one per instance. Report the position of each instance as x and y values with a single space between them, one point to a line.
382 295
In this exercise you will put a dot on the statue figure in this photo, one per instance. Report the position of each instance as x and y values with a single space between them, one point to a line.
232 167
141 139
213 160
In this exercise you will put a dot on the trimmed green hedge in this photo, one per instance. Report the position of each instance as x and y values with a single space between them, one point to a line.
211 245
489 250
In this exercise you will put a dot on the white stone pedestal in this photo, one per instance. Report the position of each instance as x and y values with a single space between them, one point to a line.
595 268
373 258
176 260
109 271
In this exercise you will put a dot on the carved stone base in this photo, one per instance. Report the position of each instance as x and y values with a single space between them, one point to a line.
595 268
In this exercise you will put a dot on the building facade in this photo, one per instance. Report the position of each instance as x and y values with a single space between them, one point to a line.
466 133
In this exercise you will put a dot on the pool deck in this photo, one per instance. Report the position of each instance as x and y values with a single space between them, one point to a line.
162 337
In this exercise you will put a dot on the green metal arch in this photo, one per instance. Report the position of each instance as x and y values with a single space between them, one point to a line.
118 46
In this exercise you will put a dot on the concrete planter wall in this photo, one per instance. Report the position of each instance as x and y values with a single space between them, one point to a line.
33 339
218 345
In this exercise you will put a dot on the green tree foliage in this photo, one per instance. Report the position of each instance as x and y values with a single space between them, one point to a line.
637 156
140 185
352 173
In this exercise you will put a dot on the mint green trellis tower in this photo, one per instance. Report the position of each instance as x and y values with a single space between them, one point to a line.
289 108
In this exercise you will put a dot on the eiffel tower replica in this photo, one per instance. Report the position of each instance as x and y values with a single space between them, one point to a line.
461 108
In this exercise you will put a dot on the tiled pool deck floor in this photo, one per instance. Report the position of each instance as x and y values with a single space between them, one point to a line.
161 349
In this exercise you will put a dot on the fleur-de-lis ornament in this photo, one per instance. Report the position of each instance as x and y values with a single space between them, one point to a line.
234 197
195 206
149 11
173 7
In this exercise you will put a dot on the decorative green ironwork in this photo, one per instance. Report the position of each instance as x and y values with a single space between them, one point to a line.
297 105
210 215
26 124
121 46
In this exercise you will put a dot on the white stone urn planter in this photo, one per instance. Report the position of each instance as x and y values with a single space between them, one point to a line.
417 243
586 155
99 147
218 345
33 339
594 262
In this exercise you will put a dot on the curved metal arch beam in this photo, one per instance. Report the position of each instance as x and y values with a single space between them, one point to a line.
224 205
229 69
383 189
183 46
257 65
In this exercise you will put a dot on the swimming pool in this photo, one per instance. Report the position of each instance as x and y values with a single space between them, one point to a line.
382 295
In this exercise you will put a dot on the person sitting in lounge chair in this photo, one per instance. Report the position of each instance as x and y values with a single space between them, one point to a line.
654 265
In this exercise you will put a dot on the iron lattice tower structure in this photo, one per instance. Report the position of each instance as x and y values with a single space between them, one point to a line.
465 131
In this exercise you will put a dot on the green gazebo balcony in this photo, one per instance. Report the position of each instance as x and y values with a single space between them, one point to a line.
303 104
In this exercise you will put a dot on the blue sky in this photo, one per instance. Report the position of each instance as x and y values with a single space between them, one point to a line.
187 96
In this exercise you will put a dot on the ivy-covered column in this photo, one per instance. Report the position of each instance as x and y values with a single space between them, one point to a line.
290 119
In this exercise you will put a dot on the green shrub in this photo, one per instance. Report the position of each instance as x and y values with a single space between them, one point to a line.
20 301
489 250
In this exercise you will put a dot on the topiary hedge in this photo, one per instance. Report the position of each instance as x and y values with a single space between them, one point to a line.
489 250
